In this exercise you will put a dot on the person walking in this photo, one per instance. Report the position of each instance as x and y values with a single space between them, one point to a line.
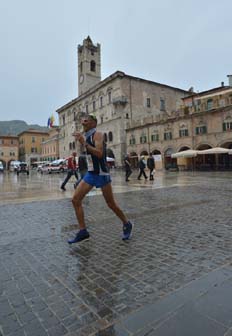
151 166
142 166
72 170
127 167
97 176
82 168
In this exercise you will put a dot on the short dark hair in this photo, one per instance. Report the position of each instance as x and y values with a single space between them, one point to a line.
93 117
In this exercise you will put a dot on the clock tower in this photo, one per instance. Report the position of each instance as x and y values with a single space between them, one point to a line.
89 65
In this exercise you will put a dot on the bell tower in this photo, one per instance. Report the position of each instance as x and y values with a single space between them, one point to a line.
89 65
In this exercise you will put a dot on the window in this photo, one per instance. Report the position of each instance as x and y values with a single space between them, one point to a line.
105 137
143 139
92 66
94 105
33 150
109 97
132 140
227 126
162 104
63 119
43 139
70 146
183 133
12 142
155 137
32 139
1 142
209 104
110 136
148 102
2 153
101 119
87 109
201 130
73 145
101 101
168 136
127 116
81 66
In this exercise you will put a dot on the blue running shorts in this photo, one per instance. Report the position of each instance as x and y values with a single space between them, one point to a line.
95 180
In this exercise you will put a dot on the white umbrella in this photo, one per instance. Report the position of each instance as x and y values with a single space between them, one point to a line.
189 153
215 150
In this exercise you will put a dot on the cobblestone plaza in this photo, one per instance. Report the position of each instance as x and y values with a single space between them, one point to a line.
174 277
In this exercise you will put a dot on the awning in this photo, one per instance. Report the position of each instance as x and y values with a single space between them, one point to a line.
189 153
215 150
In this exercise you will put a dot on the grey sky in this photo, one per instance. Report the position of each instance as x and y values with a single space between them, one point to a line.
175 42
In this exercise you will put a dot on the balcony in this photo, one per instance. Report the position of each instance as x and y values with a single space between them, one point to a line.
122 100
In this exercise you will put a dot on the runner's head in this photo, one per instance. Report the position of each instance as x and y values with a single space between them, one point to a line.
89 122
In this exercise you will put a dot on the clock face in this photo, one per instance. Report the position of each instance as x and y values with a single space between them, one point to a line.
81 78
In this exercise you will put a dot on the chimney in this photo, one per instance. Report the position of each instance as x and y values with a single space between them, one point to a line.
222 84
230 80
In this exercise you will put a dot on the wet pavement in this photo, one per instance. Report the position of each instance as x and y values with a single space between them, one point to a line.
174 277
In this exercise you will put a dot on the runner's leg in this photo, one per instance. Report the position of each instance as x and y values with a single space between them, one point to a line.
109 198
82 189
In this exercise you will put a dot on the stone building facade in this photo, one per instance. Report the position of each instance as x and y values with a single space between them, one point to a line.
119 101
50 146
203 121
9 149
30 149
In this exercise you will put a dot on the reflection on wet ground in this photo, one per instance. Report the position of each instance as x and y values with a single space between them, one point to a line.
182 233
23 188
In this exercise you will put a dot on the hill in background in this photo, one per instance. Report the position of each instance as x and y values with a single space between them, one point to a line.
14 127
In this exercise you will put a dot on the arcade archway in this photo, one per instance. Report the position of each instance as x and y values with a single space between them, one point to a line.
204 162
224 161
134 160
169 162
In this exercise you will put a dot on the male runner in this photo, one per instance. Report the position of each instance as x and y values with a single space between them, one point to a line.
97 176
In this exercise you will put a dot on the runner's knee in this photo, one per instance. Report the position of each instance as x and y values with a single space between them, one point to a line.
76 201
111 204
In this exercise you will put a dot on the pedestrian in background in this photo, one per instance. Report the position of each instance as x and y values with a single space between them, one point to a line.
82 168
127 167
142 166
151 166
72 170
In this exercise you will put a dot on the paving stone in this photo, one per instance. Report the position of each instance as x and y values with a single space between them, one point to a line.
182 234
57 330
188 322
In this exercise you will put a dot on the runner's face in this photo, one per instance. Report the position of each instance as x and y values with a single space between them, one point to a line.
87 124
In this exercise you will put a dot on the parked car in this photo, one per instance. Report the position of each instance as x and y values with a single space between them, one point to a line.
63 164
14 166
40 165
49 168
23 168
1 167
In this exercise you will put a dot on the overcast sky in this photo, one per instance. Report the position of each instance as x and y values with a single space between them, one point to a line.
181 43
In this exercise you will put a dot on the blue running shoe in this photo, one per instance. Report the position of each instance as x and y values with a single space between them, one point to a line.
127 229
81 235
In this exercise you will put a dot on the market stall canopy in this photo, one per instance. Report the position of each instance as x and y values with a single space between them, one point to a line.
189 153
215 150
